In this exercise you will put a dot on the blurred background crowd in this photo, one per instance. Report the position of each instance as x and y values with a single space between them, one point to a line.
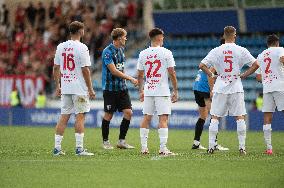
28 42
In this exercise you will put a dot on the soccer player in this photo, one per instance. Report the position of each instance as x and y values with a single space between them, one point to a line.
271 73
73 82
114 87
202 88
228 93
157 63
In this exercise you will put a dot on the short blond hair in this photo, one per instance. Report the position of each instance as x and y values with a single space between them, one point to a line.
117 33
229 32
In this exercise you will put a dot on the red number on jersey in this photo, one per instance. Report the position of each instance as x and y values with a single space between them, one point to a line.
158 62
268 61
228 59
68 62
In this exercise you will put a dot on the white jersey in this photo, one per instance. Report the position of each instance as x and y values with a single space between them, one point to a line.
72 56
155 61
271 69
228 59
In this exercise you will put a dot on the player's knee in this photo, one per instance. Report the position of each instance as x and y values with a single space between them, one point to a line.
241 126
128 113
108 116
267 127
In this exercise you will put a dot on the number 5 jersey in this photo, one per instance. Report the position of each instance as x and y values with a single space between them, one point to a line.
228 60
72 56
155 61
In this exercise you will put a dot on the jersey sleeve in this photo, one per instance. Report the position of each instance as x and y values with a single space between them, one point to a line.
57 56
210 59
107 57
247 58
140 63
85 58
170 60
281 52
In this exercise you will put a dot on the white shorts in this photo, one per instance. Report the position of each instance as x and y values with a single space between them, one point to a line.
228 104
162 105
74 104
272 100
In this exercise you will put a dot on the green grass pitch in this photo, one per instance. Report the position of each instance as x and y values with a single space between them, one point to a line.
26 161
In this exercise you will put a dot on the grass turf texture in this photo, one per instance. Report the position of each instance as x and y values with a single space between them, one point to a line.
26 161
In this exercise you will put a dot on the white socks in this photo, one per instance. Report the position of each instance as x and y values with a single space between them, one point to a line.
163 134
213 130
144 137
57 141
241 129
79 140
267 135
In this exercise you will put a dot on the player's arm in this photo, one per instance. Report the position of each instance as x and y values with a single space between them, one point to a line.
258 75
282 60
211 80
119 74
173 78
56 77
250 71
87 77
140 78
205 69
85 64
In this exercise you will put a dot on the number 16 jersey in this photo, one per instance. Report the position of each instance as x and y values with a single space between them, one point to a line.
155 62
228 60
72 56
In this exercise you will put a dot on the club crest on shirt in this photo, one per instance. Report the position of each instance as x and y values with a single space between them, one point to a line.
108 107
107 56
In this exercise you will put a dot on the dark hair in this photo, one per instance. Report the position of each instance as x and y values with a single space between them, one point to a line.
117 33
156 31
75 26
272 40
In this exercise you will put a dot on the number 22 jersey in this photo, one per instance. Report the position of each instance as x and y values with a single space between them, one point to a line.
155 61
228 59
72 56
271 69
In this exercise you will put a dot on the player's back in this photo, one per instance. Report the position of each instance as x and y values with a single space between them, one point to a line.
155 61
72 56
272 70
228 59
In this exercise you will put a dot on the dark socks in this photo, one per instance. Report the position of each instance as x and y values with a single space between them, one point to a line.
105 129
124 128
199 129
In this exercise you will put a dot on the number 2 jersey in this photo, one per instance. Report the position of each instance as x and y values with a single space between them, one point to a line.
271 69
228 59
155 62
72 56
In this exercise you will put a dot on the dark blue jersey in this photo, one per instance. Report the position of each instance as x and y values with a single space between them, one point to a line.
201 82
114 55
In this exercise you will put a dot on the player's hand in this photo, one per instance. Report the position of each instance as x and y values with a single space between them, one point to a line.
282 59
211 95
134 82
92 94
141 96
242 76
58 91
174 97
